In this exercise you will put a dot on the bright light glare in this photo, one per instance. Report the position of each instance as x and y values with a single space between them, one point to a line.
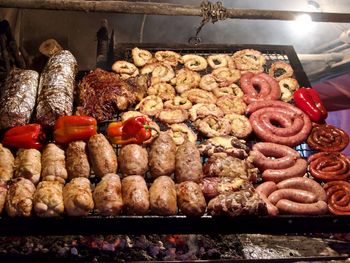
303 23
303 19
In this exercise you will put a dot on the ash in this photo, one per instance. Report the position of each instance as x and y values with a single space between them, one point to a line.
122 248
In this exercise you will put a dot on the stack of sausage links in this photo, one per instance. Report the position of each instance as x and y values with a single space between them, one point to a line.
330 166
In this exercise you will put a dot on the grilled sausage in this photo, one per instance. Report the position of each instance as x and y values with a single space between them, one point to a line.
162 195
289 207
162 155
28 164
3 193
48 199
296 195
264 190
77 197
190 199
19 199
135 195
77 162
133 159
188 166
108 195
7 162
297 170
102 155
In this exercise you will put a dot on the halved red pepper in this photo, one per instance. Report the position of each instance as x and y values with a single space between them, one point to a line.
74 128
28 136
133 130
308 100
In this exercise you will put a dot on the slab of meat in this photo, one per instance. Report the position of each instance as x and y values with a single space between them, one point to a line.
18 99
56 88
222 165
244 202
103 93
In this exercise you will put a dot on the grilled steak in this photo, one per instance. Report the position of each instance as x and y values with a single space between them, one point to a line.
103 93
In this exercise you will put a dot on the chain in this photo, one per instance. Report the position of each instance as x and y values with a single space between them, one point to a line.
210 12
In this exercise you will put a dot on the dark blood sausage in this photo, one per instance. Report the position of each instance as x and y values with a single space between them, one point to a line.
284 156
293 125
190 199
188 165
162 195
338 194
297 170
133 159
329 166
268 88
162 155
327 138
264 190
135 195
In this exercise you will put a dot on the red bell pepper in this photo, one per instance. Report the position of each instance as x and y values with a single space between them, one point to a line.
308 100
74 128
27 136
133 130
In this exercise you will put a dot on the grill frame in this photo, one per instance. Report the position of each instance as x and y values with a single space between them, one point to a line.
179 224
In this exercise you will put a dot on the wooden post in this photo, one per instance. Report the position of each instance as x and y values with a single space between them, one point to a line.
151 8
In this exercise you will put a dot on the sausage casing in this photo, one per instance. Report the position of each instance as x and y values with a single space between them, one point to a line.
190 199
188 166
162 155
133 159
135 195
162 195
102 155
77 162
108 195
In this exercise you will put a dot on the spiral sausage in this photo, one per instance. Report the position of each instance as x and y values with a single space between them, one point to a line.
329 166
301 196
295 125
268 88
338 194
327 138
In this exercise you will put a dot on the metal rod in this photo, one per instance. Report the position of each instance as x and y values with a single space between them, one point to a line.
167 9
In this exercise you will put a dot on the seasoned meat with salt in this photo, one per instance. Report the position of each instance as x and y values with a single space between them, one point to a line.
244 202
48 199
222 165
